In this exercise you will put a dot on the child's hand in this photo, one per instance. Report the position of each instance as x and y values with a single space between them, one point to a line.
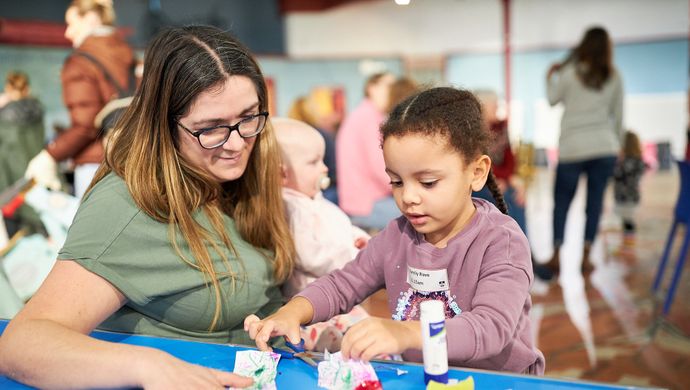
277 324
377 336
285 322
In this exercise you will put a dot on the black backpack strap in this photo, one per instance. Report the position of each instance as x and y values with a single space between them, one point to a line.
121 92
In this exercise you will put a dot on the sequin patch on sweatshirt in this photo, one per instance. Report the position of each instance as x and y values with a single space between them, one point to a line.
408 304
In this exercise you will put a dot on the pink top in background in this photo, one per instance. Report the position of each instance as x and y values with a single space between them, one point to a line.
362 179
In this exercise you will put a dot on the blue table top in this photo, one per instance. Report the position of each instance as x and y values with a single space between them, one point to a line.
294 373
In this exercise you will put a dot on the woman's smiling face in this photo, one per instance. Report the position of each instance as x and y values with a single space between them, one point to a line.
226 104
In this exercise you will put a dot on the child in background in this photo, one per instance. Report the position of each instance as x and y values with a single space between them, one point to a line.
324 237
446 246
626 188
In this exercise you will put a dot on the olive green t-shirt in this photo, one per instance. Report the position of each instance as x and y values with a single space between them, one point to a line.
113 238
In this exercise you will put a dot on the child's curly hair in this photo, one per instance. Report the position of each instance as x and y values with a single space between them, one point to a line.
453 114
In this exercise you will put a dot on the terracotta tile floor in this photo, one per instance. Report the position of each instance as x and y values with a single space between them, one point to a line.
600 330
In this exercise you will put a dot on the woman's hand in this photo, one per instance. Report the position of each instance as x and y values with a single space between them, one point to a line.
285 322
378 336
553 69
163 371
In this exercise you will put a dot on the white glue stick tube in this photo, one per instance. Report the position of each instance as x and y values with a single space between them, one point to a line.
434 348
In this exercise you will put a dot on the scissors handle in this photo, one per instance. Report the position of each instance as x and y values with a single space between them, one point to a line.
295 347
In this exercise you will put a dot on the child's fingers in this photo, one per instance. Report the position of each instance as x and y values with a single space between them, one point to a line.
256 332
371 351
293 335
253 328
252 318
359 346
267 330
356 339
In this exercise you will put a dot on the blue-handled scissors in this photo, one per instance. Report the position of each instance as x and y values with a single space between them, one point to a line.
311 358
298 352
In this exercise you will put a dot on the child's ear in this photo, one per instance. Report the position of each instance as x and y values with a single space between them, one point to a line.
480 170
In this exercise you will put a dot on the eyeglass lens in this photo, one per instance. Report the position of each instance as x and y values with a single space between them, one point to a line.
217 136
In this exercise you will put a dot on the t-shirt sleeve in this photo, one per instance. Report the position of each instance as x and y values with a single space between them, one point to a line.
92 240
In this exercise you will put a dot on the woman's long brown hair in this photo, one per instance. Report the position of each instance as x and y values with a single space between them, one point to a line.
181 63
593 58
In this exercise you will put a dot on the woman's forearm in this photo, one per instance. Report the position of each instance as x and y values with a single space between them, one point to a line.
46 354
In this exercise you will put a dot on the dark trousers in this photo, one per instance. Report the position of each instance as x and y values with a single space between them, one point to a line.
514 210
598 171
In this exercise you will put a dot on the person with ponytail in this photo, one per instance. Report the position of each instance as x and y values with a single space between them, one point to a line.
591 91
182 233
446 246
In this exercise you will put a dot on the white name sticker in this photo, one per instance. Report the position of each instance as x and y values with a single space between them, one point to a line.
427 280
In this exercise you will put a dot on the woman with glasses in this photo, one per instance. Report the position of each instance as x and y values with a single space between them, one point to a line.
182 234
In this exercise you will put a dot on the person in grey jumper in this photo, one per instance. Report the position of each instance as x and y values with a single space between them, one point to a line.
446 246
591 91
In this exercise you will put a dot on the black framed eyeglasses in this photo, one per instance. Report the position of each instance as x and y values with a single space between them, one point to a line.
213 137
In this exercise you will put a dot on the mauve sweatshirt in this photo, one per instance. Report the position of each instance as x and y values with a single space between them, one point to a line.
487 300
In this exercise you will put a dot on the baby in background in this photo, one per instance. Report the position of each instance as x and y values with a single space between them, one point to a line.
324 237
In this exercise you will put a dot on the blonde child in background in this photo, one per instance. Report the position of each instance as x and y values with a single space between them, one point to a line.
446 246
324 237
626 189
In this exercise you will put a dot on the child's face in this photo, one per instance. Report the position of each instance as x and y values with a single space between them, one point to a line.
432 185
305 169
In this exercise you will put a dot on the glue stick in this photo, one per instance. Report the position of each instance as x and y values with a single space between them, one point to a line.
434 348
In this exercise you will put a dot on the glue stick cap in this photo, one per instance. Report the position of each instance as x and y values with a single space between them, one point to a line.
432 310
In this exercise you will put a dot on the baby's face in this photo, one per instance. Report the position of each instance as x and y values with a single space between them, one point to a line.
306 166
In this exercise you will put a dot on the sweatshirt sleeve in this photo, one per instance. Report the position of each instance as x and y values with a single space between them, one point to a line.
617 106
83 99
339 291
490 325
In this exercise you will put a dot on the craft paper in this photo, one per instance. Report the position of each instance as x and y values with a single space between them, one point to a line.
258 365
338 374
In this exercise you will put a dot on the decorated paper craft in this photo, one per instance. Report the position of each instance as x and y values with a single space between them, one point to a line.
465 384
258 365
338 374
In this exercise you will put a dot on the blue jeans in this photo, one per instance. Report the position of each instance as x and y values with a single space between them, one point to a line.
383 212
514 210
598 171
